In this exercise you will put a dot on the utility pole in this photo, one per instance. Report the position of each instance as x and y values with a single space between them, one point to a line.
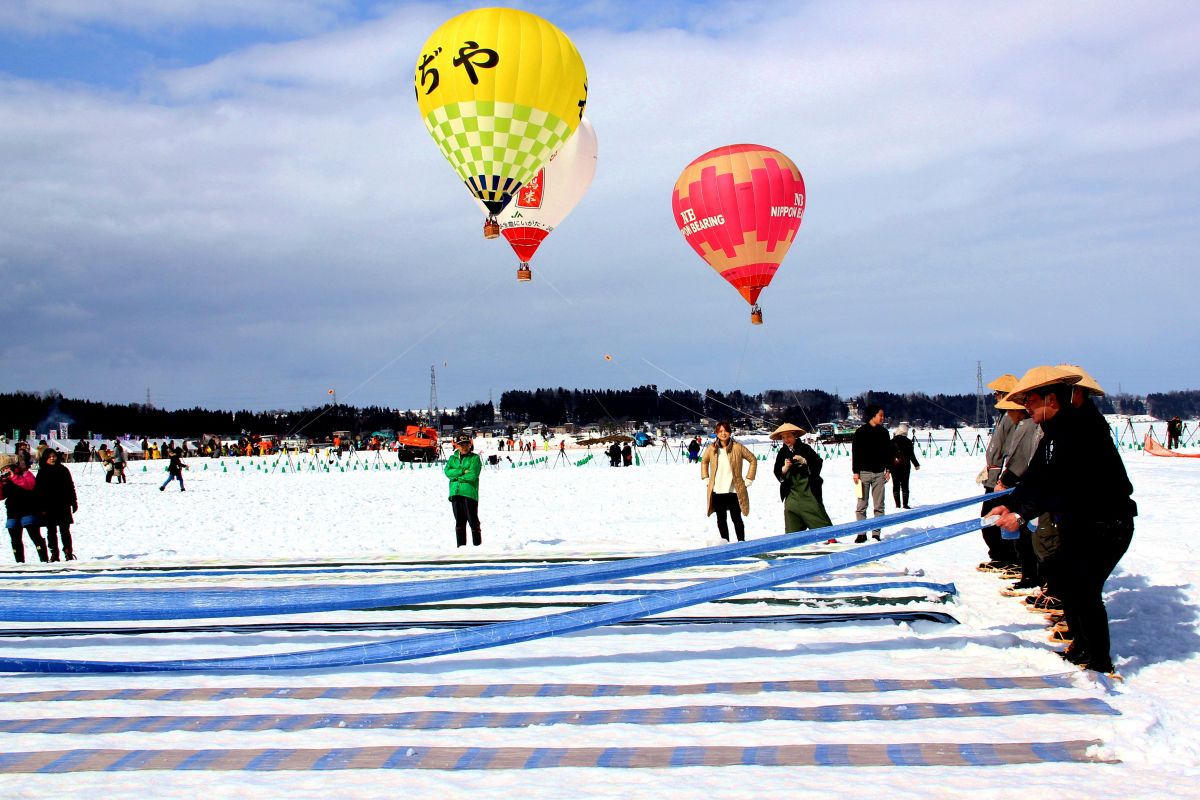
981 415
434 414
148 405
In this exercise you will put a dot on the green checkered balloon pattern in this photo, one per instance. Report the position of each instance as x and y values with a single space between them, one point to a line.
495 147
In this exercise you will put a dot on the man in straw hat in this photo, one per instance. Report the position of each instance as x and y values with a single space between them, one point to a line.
1001 553
798 470
1078 479
1021 445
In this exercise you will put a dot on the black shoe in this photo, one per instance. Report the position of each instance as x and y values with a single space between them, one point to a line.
875 536
162 488
908 506
1026 584
862 537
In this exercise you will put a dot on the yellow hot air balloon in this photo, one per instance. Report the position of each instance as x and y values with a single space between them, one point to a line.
500 90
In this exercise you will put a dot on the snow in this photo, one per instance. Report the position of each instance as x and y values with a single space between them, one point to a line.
241 512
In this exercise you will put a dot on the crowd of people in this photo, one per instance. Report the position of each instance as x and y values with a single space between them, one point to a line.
1058 533
45 501
1069 518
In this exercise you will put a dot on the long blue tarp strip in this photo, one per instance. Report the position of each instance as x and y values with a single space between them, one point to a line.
29 605
457 641
843 588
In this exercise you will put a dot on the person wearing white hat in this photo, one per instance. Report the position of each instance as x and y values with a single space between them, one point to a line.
1078 479
904 459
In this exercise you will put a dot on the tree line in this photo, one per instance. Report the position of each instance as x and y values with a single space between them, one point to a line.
610 408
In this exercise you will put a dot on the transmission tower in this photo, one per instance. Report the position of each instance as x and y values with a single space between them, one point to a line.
981 415
434 414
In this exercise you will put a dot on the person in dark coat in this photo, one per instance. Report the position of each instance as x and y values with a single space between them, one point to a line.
83 453
693 450
16 489
798 470
871 457
614 454
1174 432
904 459
627 455
1078 481
54 496
175 470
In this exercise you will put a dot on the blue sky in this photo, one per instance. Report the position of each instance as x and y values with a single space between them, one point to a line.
235 204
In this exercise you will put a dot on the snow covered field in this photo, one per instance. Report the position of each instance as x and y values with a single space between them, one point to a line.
231 515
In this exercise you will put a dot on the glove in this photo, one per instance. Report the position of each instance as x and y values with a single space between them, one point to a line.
749 483
800 459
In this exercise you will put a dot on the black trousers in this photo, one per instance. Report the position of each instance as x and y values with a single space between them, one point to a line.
466 511
726 504
900 487
1026 556
999 548
53 532
18 545
1090 553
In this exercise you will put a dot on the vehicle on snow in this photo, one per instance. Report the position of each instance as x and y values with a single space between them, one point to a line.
417 443
841 430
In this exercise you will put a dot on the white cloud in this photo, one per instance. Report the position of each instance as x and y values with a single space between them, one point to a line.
50 16
283 204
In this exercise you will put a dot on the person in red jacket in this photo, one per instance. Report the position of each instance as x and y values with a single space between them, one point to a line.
16 488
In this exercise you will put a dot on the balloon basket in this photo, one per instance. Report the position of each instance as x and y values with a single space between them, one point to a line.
756 316
524 273
491 228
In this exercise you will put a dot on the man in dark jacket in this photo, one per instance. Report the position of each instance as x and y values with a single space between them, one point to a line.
175 470
1174 432
871 454
1077 478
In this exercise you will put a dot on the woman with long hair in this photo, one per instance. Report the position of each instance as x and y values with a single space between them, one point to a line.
728 491
54 496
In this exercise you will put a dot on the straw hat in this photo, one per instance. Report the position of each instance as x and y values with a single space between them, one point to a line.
784 428
1037 378
1086 381
1009 405
1004 383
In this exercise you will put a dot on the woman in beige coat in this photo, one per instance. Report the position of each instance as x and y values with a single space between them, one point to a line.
728 491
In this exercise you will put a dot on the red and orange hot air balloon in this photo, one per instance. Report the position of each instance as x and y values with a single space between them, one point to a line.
739 207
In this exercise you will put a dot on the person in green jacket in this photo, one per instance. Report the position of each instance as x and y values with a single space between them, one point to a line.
463 468
798 469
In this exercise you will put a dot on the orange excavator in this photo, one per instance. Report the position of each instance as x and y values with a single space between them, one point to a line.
418 443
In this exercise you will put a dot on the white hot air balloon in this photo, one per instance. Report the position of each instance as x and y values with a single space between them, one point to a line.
545 200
